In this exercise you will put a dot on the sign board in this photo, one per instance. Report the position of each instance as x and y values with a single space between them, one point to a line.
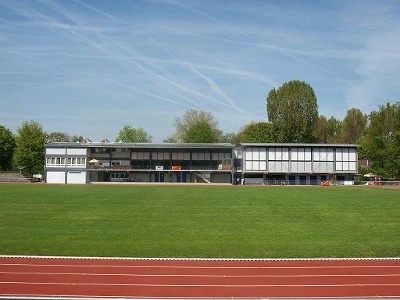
176 168
159 168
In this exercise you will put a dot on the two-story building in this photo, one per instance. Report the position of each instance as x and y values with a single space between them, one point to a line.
142 162
202 163
296 163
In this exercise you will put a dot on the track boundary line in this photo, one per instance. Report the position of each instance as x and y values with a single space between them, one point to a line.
198 259
198 267
201 275
84 297
196 285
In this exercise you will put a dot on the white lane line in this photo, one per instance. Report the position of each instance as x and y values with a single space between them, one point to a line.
202 275
200 267
108 297
198 285
199 259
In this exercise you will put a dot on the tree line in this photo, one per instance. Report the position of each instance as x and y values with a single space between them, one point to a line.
292 111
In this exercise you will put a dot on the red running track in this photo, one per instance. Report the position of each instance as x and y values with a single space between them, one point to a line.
136 278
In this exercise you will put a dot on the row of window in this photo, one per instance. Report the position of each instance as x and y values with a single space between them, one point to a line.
144 155
69 162
300 154
300 167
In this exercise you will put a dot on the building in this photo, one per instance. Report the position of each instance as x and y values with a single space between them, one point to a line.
142 162
296 163
205 163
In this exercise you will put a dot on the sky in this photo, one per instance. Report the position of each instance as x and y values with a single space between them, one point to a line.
89 67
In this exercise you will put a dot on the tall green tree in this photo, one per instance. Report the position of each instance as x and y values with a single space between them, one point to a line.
29 152
353 126
381 141
255 132
197 127
201 132
7 146
129 134
229 137
58 137
334 127
327 130
77 139
293 111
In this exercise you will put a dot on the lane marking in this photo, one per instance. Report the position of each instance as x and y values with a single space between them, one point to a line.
201 275
198 285
89 297
200 267
198 259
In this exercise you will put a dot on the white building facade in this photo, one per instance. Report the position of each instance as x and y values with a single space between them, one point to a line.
294 164
66 165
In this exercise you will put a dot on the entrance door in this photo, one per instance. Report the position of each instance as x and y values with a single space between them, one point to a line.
313 179
159 177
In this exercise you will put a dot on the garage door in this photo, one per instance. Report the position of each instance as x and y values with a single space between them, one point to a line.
55 177
76 177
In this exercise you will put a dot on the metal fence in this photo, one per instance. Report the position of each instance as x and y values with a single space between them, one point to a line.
259 181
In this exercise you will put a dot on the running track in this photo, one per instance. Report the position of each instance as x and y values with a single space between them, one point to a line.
147 278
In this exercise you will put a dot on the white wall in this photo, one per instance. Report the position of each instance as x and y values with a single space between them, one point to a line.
76 177
302 159
55 151
55 177
76 151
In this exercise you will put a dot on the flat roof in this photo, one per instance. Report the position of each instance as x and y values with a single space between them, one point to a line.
115 145
139 145
297 145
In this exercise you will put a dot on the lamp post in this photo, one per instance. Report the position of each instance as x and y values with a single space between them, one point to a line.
20 169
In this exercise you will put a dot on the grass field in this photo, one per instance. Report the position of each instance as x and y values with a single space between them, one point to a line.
199 221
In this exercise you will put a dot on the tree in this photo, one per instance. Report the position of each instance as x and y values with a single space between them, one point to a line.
201 132
197 127
353 126
334 128
229 137
128 134
326 131
58 137
260 132
77 139
29 152
293 111
7 146
381 141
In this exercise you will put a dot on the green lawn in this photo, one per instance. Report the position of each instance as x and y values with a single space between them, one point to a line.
199 221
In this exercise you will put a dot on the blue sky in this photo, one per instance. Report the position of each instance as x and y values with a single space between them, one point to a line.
89 67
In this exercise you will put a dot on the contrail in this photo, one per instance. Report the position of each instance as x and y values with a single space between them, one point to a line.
99 11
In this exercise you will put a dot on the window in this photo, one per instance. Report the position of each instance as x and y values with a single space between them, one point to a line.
256 159
180 156
345 159
160 155
76 161
200 156
140 155
300 154
55 161
100 150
